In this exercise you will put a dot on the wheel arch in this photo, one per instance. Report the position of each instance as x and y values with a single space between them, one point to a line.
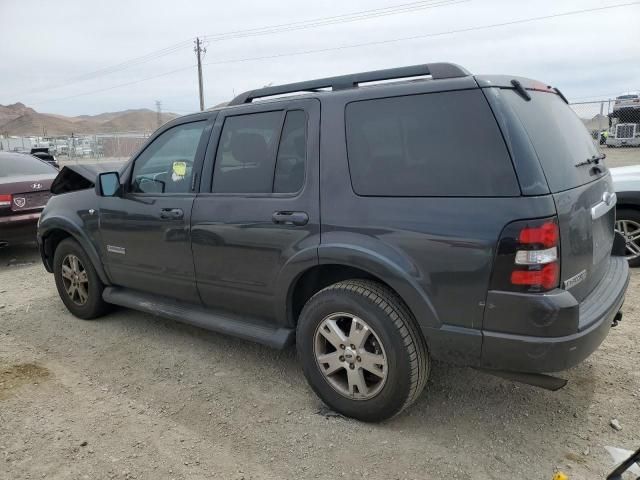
337 263
54 231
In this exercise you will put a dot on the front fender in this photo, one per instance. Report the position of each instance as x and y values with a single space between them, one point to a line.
73 227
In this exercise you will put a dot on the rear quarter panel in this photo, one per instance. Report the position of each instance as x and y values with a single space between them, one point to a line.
436 252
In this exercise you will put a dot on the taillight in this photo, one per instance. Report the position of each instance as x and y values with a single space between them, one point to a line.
5 201
546 234
528 259
545 277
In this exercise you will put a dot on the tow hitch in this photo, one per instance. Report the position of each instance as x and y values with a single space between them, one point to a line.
617 319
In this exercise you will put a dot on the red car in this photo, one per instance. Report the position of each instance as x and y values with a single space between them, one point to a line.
24 190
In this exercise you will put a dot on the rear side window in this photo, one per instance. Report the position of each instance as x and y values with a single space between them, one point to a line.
292 153
257 153
559 138
245 159
19 165
438 144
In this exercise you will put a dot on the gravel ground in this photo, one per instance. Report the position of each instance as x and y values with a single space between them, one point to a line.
133 396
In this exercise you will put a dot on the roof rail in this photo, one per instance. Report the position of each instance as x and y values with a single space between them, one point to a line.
435 70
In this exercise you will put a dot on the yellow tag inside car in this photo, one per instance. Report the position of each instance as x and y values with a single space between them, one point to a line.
180 168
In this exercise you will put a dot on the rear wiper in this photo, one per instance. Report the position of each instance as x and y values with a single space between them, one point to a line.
521 90
595 160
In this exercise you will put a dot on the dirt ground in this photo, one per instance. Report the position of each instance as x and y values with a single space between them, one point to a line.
133 396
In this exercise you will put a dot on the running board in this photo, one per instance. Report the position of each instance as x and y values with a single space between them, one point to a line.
246 328
540 380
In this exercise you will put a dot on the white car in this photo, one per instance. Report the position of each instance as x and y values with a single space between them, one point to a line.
626 181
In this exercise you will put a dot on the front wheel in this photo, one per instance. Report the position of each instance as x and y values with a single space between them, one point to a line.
361 350
628 225
77 281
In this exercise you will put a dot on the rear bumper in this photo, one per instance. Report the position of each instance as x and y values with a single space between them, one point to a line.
16 229
621 142
590 323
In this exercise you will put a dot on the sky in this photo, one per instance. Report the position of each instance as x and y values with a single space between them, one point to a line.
58 56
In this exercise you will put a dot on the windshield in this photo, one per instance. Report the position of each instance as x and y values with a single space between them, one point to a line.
559 137
20 165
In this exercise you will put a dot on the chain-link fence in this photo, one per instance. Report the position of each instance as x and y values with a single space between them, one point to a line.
87 148
614 124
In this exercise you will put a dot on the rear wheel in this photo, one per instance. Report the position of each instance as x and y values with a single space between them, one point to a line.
361 350
78 284
628 225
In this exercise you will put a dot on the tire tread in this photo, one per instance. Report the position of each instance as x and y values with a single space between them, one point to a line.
396 310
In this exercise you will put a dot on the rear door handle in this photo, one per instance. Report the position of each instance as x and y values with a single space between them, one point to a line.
290 218
171 213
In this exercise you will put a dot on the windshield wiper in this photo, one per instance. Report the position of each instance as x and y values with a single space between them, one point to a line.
595 160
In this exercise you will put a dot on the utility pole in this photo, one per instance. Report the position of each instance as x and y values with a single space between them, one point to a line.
200 51
159 112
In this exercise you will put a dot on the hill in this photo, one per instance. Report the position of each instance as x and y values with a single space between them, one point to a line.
18 119
9 112
138 120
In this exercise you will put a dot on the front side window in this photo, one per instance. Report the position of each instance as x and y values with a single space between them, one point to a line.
166 166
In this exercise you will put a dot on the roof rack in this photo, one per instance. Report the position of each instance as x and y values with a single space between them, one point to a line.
435 70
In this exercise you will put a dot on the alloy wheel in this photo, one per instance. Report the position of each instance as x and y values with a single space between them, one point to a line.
350 356
630 230
75 279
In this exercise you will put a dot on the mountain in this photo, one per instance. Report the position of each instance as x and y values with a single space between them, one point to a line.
9 112
138 120
18 119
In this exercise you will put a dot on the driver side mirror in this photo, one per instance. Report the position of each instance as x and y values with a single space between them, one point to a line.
108 184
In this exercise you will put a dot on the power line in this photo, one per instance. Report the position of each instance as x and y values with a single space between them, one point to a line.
112 69
364 44
170 72
426 35
266 30
323 21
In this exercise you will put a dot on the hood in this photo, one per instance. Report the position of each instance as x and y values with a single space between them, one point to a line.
81 177
626 179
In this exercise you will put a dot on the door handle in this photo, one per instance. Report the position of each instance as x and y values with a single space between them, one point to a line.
171 213
290 218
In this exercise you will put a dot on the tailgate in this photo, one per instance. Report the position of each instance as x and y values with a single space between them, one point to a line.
580 184
586 235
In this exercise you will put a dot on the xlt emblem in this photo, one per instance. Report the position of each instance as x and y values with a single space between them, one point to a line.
576 279
115 249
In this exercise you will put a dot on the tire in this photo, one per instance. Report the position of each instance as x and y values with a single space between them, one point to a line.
630 218
391 339
93 305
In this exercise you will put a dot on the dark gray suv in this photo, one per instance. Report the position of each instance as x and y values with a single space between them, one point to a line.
376 220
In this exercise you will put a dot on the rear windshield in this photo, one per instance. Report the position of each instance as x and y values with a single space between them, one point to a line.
19 165
436 144
559 138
